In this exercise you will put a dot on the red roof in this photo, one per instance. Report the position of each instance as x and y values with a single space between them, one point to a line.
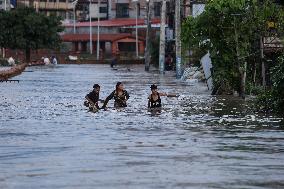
113 23
103 37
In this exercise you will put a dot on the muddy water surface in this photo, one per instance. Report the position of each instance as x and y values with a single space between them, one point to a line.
48 139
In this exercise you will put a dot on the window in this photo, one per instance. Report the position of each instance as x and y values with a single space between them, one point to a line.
122 10
127 47
103 9
157 8
52 13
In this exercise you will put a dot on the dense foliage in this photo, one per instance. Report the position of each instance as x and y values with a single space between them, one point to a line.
231 31
272 100
25 29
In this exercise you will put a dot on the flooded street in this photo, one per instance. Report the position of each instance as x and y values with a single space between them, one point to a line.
49 140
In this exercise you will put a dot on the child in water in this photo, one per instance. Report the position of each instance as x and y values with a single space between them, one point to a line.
154 100
92 98
120 96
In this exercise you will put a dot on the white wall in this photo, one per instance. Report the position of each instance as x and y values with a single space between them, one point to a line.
95 11
197 9
2 5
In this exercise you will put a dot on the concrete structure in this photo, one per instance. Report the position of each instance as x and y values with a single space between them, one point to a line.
5 5
113 9
97 11
61 8
110 44
110 26
109 9
112 40
120 20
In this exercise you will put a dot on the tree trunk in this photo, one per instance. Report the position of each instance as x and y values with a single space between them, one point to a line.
28 55
162 38
148 31
262 63
178 41
254 73
242 71
243 74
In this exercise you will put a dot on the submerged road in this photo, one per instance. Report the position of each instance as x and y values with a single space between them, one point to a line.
49 140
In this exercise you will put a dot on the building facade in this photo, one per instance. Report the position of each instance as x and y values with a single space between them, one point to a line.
117 26
5 5
103 9
62 8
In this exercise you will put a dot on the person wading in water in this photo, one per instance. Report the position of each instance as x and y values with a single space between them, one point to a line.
92 98
154 100
120 97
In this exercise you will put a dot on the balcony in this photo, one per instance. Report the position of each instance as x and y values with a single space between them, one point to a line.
272 44
54 5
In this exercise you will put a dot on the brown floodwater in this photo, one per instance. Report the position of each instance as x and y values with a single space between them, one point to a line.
48 139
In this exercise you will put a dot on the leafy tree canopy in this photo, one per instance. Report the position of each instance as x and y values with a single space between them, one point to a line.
231 30
25 29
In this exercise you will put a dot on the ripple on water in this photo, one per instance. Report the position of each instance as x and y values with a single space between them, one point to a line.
48 139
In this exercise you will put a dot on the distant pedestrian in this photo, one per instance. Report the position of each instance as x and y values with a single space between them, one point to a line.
54 60
169 62
11 61
46 61
113 62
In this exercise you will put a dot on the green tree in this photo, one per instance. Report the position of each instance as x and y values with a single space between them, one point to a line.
28 30
272 100
6 28
231 30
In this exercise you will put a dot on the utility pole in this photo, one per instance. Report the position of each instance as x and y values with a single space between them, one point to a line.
74 20
178 41
74 3
98 31
148 31
91 33
136 28
162 38
137 54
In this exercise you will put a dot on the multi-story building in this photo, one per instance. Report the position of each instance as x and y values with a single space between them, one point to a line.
114 9
62 8
107 9
117 26
99 9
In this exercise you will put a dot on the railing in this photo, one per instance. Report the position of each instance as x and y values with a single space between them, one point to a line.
272 43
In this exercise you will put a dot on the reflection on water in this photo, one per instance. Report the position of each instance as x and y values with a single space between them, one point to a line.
48 139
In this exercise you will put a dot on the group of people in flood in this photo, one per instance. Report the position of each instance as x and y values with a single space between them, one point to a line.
47 61
120 96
